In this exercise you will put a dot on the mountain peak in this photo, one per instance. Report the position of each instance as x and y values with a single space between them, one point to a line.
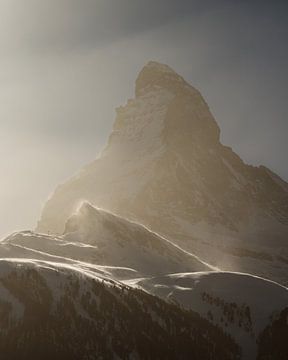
155 74
157 66
165 167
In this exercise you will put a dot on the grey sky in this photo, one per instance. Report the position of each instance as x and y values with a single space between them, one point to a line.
66 64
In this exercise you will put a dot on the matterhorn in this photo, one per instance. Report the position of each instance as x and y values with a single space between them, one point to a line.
165 167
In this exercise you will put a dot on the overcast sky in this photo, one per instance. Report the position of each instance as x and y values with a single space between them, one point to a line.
66 64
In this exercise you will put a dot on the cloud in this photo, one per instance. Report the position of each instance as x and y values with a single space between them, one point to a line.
61 25
72 25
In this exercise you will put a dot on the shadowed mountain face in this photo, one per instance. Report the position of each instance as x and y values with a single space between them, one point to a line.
164 166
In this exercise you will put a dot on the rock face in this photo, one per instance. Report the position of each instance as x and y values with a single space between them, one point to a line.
165 167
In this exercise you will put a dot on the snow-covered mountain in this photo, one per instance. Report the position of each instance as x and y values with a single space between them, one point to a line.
165 167
94 283
53 311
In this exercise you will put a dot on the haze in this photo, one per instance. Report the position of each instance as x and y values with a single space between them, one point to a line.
66 64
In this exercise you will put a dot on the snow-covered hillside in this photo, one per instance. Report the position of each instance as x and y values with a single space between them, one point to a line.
165 167
240 304
103 245
53 311
98 244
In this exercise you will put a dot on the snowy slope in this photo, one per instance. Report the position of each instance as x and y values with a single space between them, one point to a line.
165 167
98 237
125 243
53 311
240 304
101 245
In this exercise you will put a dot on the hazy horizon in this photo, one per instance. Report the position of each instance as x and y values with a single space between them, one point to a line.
66 65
